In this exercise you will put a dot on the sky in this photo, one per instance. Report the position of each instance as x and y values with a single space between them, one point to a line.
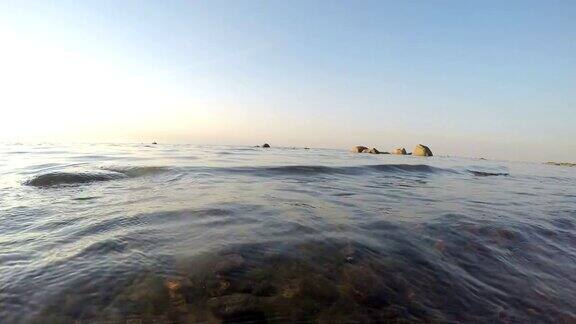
493 79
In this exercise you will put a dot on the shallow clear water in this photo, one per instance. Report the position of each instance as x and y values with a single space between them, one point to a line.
178 233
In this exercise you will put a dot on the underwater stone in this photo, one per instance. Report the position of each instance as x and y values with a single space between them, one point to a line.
228 305
229 263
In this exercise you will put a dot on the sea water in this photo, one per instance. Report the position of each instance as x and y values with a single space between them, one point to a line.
135 233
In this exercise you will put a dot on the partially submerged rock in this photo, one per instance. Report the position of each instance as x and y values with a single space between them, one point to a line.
266 145
566 164
359 149
400 151
422 150
364 149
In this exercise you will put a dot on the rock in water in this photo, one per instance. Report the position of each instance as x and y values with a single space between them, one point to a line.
266 145
400 151
234 304
229 262
359 149
421 150
566 164
364 149
176 298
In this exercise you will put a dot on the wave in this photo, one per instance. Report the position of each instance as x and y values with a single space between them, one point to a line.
136 171
422 168
318 169
488 174
53 179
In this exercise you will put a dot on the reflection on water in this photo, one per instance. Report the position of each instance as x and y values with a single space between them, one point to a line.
177 233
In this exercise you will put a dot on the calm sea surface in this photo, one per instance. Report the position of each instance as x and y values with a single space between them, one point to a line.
178 233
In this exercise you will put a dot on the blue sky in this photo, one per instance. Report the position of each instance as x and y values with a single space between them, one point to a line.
471 78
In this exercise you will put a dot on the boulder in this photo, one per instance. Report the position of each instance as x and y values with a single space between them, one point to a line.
359 149
373 151
400 151
422 150
266 145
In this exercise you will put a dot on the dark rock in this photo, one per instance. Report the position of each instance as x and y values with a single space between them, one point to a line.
175 297
344 311
317 288
218 287
364 149
350 253
364 286
266 145
359 149
228 263
229 305
290 289
263 288
440 246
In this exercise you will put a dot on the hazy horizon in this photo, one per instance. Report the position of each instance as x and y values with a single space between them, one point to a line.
493 80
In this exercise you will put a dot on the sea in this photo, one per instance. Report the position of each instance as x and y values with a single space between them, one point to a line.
142 233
